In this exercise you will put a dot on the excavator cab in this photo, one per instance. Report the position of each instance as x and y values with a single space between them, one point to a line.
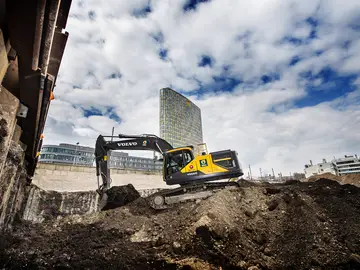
175 160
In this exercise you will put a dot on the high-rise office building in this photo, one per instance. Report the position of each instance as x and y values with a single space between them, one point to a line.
180 119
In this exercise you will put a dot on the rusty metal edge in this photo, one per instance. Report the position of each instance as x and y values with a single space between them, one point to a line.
57 52
39 25
63 14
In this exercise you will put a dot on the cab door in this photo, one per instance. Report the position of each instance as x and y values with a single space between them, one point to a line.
190 162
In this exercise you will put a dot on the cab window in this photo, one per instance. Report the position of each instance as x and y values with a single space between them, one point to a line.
177 160
187 157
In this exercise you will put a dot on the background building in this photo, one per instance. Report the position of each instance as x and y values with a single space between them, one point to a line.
338 166
347 165
320 168
180 119
82 155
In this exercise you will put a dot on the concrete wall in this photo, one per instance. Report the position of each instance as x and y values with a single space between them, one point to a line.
42 205
12 175
46 205
60 190
78 178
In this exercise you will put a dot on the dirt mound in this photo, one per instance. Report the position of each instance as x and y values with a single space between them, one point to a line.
120 195
353 179
328 176
304 225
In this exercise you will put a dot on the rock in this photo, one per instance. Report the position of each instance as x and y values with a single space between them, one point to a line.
250 213
129 231
260 239
203 221
315 261
354 258
273 204
140 236
267 251
176 246
248 228
159 241
253 268
241 264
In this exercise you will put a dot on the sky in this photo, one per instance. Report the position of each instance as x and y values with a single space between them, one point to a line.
276 80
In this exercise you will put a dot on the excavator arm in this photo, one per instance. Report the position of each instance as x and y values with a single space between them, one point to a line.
104 144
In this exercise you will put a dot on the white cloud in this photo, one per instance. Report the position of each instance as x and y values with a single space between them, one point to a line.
113 62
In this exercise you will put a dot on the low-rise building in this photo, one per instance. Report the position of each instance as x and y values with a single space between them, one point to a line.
320 168
338 166
82 155
347 165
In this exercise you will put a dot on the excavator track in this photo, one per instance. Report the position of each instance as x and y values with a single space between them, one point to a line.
168 198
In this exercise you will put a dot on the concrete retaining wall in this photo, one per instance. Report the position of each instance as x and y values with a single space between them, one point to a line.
78 178
45 205
12 175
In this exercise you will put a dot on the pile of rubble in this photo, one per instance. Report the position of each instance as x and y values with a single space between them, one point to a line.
295 225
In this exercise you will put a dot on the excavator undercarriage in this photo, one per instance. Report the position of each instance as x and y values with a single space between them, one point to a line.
167 198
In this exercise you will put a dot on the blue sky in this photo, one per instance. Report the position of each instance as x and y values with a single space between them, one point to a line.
275 79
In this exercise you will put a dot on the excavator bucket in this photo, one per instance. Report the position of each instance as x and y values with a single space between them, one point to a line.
118 196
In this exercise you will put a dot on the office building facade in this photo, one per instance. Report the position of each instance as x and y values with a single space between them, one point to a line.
81 155
347 165
180 119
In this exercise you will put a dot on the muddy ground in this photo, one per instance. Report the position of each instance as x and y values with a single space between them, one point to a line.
297 225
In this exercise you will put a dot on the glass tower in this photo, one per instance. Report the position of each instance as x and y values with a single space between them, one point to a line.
180 119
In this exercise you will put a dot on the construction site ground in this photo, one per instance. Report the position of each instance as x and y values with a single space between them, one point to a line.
293 225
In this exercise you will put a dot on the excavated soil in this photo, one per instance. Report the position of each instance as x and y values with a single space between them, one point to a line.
120 195
295 225
353 179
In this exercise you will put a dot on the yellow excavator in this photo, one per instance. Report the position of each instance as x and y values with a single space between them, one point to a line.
193 170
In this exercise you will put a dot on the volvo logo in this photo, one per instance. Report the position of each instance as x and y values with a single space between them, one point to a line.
127 144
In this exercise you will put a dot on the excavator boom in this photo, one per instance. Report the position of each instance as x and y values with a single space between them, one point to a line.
123 142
